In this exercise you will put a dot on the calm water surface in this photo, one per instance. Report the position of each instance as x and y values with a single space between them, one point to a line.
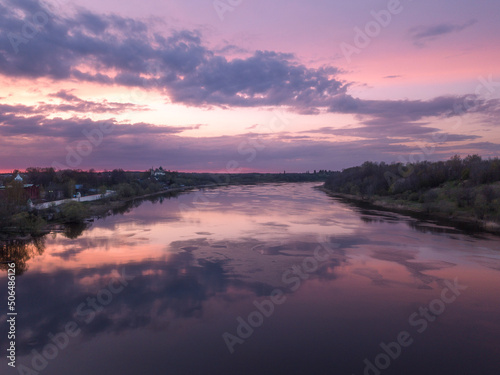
269 279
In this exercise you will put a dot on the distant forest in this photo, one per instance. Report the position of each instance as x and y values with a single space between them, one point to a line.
469 185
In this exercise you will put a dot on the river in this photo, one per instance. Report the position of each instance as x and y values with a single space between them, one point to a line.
265 279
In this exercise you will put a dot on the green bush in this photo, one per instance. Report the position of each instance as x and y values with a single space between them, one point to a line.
125 191
414 197
73 212
27 222
480 206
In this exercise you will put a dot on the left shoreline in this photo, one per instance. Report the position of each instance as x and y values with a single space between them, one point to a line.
96 209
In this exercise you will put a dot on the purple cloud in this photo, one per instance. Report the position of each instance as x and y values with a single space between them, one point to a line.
123 51
75 104
423 34
180 65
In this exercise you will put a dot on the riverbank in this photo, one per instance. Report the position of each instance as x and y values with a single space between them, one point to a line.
87 198
27 225
98 209
462 220
19 217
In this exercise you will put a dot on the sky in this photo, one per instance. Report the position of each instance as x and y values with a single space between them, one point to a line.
240 86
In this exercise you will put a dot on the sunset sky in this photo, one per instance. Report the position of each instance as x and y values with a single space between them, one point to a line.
240 85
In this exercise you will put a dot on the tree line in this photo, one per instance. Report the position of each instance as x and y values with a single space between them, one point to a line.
464 184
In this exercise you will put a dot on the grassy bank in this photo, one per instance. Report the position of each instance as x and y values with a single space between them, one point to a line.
73 216
456 191
460 218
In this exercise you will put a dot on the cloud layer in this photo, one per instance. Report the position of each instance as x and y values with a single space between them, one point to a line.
115 51
31 138
112 50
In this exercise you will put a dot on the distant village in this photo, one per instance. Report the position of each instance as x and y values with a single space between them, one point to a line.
45 184
32 191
